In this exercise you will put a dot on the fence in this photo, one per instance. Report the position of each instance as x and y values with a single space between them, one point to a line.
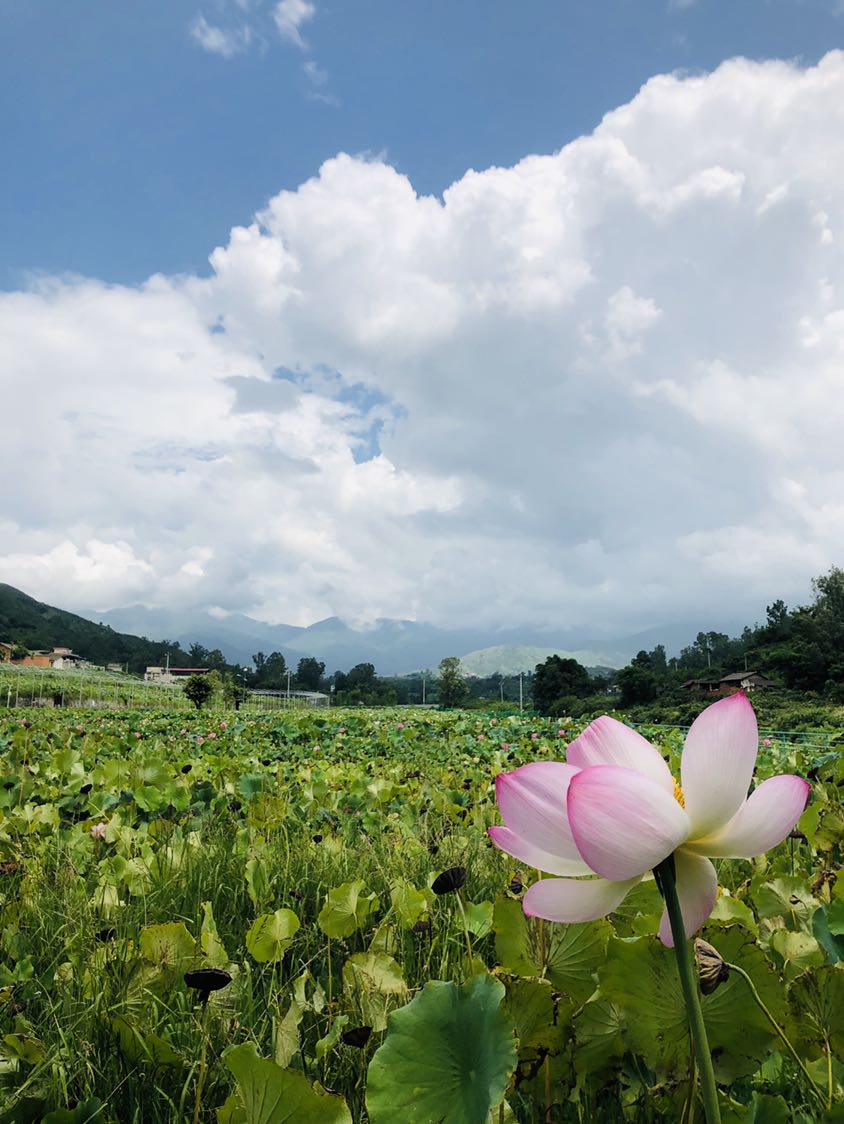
45 687
778 739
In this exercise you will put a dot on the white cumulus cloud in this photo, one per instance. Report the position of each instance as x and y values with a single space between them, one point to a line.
600 388
218 40
290 16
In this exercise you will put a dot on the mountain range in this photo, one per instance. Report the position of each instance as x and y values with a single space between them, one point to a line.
395 647
135 635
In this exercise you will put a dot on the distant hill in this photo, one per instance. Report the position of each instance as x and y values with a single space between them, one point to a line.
395 647
28 622
510 659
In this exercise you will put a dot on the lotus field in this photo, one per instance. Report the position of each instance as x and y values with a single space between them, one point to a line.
302 917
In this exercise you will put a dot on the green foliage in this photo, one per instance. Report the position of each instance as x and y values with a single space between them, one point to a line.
558 678
271 935
464 1064
452 685
272 1095
32 625
295 853
309 673
199 689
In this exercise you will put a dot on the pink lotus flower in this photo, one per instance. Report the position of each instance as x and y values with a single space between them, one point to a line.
98 831
615 811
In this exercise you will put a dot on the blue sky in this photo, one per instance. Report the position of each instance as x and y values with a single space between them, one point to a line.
130 149
483 314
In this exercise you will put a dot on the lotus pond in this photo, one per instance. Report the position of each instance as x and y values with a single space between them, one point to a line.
300 917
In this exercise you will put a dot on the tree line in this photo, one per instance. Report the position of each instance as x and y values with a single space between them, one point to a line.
799 649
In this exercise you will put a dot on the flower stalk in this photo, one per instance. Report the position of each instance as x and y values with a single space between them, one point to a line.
666 880
757 998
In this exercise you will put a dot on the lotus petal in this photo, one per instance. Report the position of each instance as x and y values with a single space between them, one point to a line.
521 849
697 889
623 822
573 900
763 821
532 801
719 756
606 741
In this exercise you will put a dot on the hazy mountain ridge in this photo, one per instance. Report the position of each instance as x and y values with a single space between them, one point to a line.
395 647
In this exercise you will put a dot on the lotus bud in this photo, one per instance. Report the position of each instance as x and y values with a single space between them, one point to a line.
712 971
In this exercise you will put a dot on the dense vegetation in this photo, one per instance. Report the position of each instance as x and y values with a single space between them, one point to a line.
801 651
34 625
314 863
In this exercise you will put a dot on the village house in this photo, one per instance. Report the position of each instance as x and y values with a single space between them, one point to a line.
56 658
728 684
170 675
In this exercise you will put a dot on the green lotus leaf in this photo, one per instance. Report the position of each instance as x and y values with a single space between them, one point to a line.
272 1095
641 978
330 1040
830 829
408 902
258 884
572 952
142 1046
25 1048
796 951
817 1005
784 901
447 1057
828 930
209 939
86 1112
169 946
271 934
639 913
286 1035
346 909
728 909
374 980
598 1031
479 918
530 1006
767 1109
251 784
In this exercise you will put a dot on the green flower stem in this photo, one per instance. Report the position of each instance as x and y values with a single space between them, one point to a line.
465 930
667 883
200 1080
780 1032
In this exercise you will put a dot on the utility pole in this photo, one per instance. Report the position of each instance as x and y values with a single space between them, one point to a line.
521 695
288 686
423 688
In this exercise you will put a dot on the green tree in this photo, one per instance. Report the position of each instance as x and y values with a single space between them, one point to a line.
452 685
559 678
198 655
362 677
309 673
638 685
274 672
198 689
